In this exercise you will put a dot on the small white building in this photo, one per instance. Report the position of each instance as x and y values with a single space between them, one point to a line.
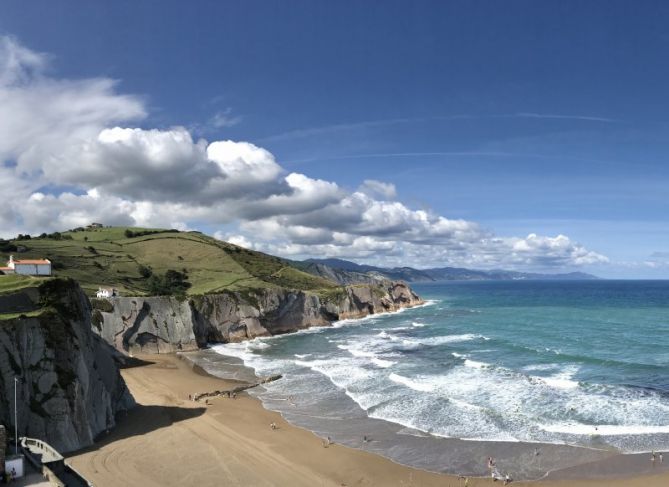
106 293
28 267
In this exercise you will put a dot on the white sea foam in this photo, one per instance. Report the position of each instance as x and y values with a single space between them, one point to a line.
417 324
355 321
470 399
539 367
604 429
415 384
562 380
358 350
258 345
396 328
442 340
383 363
475 364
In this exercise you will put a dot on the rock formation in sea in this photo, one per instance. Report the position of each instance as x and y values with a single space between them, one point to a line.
167 324
69 388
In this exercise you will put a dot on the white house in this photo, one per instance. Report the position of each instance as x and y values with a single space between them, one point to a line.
28 267
106 293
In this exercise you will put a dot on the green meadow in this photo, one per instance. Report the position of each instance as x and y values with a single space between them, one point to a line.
123 258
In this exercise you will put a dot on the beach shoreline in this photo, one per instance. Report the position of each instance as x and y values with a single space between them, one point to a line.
169 440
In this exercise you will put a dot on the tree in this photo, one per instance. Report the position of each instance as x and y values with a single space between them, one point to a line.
144 271
171 283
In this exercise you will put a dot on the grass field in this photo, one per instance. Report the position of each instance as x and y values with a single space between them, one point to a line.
106 257
12 283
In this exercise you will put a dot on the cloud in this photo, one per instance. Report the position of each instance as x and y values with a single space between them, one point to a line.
378 189
585 118
364 125
67 157
224 119
42 116
18 63
657 260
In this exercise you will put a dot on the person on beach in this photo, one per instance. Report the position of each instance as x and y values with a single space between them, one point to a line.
661 459
507 479
272 425
652 456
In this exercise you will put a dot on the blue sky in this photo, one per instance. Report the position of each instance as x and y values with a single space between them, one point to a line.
544 118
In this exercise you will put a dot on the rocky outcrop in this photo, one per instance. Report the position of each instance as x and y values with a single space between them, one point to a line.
167 324
69 388
342 276
147 324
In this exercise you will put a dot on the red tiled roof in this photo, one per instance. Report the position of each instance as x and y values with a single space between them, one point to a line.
33 261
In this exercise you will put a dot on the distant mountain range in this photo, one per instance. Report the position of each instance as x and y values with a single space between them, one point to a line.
346 272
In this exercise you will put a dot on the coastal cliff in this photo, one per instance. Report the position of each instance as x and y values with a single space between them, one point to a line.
167 324
70 388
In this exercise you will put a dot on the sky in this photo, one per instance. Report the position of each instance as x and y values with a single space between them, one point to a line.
521 135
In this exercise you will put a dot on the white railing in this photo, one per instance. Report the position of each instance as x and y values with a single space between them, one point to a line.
33 446
41 447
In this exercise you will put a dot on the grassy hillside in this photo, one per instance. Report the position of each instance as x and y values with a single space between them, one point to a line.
107 257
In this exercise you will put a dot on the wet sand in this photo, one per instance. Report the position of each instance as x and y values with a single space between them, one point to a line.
168 440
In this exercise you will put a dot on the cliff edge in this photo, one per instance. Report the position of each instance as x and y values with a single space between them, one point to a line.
69 388
167 324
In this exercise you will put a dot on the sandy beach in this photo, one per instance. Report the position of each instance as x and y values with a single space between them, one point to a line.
169 440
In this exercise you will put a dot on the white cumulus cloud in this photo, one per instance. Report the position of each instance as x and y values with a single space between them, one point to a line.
71 152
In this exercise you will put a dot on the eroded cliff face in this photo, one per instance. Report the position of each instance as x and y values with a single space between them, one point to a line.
167 324
69 388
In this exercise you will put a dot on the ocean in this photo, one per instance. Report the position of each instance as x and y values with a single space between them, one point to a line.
578 363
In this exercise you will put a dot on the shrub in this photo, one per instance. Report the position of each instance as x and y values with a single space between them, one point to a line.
97 320
102 305
171 283
7 246
144 271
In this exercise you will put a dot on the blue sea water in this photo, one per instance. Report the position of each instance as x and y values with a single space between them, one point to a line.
581 363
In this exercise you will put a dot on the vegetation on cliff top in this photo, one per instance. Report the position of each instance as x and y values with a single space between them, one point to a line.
13 283
136 261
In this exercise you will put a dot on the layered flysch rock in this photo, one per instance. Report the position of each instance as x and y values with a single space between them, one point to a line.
69 387
167 324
